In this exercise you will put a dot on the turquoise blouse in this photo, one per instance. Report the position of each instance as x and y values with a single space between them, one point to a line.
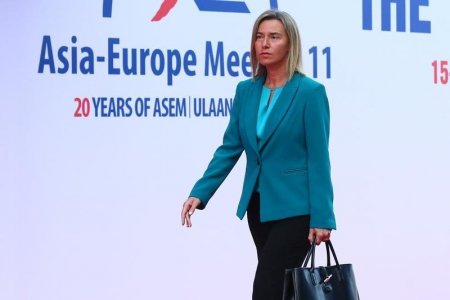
265 107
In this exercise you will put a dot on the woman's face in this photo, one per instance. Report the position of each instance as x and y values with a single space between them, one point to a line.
271 44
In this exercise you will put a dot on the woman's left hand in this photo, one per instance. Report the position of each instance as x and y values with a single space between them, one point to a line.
322 235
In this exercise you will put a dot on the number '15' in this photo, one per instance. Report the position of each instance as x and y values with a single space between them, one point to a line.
440 67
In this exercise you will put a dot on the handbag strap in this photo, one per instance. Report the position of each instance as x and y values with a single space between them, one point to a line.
309 254
330 247
312 251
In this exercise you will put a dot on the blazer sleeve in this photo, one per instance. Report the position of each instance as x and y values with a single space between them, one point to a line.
224 158
317 127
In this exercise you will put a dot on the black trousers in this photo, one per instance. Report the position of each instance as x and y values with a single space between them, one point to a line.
279 244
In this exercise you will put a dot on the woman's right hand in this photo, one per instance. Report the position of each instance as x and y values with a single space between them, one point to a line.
189 207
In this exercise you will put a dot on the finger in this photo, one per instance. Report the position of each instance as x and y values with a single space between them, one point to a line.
319 237
191 210
193 206
188 220
323 235
182 217
311 236
184 211
318 240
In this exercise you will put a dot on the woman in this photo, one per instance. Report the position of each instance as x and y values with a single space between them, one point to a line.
280 119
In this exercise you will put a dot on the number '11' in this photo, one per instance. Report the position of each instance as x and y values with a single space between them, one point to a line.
327 52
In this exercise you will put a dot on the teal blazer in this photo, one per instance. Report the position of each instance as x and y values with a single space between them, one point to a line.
290 161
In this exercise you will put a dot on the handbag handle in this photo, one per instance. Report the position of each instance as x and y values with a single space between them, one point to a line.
311 254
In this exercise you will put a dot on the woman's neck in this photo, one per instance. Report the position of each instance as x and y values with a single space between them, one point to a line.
276 79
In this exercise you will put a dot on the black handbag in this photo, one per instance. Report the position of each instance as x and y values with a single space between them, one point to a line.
320 283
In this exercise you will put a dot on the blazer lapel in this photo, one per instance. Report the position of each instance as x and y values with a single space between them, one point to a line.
279 110
253 97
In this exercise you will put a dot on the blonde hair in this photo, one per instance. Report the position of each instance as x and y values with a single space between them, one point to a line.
294 61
